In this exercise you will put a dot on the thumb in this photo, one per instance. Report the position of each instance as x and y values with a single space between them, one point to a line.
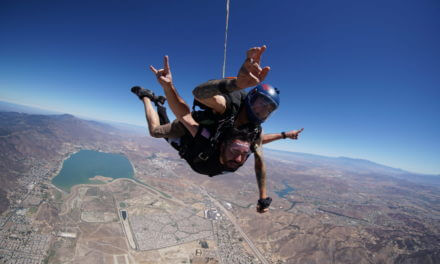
163 79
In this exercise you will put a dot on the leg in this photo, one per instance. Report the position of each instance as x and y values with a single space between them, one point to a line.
159 125
151 115
162 111
171 132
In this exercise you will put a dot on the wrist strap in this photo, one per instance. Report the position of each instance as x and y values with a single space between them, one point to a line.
264 203
283 134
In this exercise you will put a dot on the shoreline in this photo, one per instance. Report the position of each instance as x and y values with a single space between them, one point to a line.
92 180
60 165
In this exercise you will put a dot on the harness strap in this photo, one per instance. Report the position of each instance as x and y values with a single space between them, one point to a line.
223 124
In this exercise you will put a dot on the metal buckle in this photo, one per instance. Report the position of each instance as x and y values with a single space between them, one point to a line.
203 156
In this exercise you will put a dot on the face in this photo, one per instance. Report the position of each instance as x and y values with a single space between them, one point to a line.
235 153
262 107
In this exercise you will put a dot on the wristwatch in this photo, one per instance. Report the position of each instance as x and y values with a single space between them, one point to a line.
283 134
264 203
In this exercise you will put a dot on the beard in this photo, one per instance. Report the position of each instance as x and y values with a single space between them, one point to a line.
230 164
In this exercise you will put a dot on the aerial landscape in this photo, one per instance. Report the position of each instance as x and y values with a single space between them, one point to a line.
219 132
325 210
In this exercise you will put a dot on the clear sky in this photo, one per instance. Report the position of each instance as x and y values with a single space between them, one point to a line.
361 77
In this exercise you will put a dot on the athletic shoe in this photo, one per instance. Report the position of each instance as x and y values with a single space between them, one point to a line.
160 99
142 92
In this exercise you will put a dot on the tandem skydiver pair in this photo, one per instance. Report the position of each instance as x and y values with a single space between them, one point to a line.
226 130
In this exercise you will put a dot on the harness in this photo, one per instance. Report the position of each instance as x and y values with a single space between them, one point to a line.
211 129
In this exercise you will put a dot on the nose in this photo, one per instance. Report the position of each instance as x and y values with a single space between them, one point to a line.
238 159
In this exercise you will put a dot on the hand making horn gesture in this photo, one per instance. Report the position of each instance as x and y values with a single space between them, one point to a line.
251 73
163 76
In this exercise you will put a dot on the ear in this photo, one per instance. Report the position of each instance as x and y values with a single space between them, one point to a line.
222 151
223 146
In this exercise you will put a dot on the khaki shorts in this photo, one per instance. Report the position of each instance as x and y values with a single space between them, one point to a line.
174 129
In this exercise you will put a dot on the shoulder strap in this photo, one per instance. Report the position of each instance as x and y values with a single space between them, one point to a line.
199 104
255 135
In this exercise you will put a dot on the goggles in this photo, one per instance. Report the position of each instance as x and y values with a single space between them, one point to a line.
262 107
237 148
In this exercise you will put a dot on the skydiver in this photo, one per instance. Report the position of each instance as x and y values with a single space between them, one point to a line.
226 98
234 145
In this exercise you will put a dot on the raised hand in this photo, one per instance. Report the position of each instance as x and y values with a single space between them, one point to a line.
163 76
251 73
294 133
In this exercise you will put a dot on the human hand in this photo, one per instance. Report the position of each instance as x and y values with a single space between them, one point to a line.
251 73
263 205
294 133
163 76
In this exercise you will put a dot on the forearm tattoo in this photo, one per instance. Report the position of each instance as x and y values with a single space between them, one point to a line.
215 87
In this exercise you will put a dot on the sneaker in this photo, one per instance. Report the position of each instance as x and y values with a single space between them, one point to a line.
160 99
141 92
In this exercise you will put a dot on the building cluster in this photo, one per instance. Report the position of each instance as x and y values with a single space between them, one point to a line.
20 242
158 167
165 230
212 214
228 239
39 171
229 244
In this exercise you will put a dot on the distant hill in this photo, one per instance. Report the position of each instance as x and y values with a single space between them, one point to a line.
11 107
142 130
360 166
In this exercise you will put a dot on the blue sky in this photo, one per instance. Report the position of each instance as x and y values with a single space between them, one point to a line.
362 77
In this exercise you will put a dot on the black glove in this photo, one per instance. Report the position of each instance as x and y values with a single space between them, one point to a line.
264 203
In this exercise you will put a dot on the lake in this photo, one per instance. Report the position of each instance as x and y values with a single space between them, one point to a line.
86 164
287 190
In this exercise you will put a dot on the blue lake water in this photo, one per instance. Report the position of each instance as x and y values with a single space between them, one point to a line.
86 164
287 189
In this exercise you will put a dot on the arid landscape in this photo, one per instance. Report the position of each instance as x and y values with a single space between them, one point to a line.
324 210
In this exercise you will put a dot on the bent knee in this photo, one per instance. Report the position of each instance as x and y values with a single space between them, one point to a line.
155 133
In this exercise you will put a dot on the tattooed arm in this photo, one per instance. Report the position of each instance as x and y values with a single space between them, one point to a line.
215 87
250 74
210 93
260 173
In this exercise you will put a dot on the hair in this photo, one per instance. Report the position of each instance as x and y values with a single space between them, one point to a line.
244 134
